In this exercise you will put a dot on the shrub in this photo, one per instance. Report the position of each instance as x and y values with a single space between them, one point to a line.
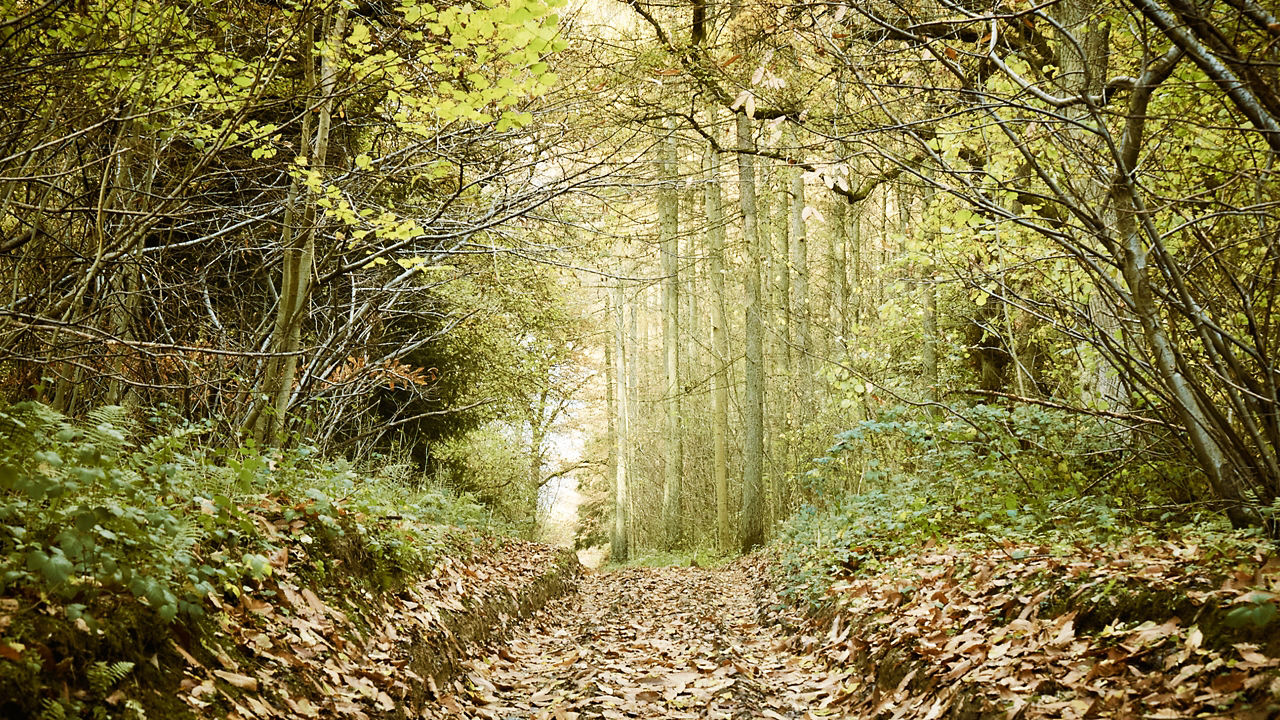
85 510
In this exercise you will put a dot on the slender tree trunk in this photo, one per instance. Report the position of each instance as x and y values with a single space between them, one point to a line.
669 241
840 272
799 267
1222 475
610 397
619 539
753 400
857 278
299 242
778 260
929 349
633 366
720 352
799 370
1084 70
1194 408
130 191
779 371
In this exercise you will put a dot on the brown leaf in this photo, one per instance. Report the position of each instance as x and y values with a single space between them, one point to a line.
1229 683
243 682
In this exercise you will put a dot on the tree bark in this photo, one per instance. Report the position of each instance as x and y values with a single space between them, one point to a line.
753 400
798 265
840 272
299 242
669 242
720 351
929 348
619 542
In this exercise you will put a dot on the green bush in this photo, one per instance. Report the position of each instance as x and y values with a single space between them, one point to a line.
82 512
892 483
86 510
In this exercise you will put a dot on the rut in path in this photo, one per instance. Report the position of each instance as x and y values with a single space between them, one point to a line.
649 643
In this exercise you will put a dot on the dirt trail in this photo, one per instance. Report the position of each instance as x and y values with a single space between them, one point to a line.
648 643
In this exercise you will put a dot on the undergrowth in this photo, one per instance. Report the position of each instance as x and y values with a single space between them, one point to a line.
698 557
985 477
115 526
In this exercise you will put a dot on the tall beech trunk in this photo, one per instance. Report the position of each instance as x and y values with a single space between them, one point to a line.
669 242
719 351
619 544
753 395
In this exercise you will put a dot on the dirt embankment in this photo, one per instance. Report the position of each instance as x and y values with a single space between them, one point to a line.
1142 628
297 646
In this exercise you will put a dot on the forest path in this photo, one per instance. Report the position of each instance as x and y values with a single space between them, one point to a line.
649 643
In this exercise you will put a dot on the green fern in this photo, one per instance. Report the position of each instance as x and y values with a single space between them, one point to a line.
110 428
181 543
25 427
51 709
103 676
165 447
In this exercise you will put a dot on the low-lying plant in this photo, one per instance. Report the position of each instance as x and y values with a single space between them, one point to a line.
110 522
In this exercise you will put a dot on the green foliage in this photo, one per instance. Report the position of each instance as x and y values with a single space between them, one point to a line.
984 475
990 463
107 533
491 462
84 512
82 515
103 676
1255 610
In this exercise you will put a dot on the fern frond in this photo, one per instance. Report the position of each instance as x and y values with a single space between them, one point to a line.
111 428
52 710
103 676
183 540
26 427
164 448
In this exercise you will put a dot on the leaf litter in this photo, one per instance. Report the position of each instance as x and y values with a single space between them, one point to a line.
650 643
284 651
947 632
1140 629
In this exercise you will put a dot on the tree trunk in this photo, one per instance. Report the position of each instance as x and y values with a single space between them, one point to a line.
619 539
669 242
779 370
840 217
299 244
800 373
1084 71
929 349
720 351
633 367
753 400
1193 408
127 284
798 265
857 278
